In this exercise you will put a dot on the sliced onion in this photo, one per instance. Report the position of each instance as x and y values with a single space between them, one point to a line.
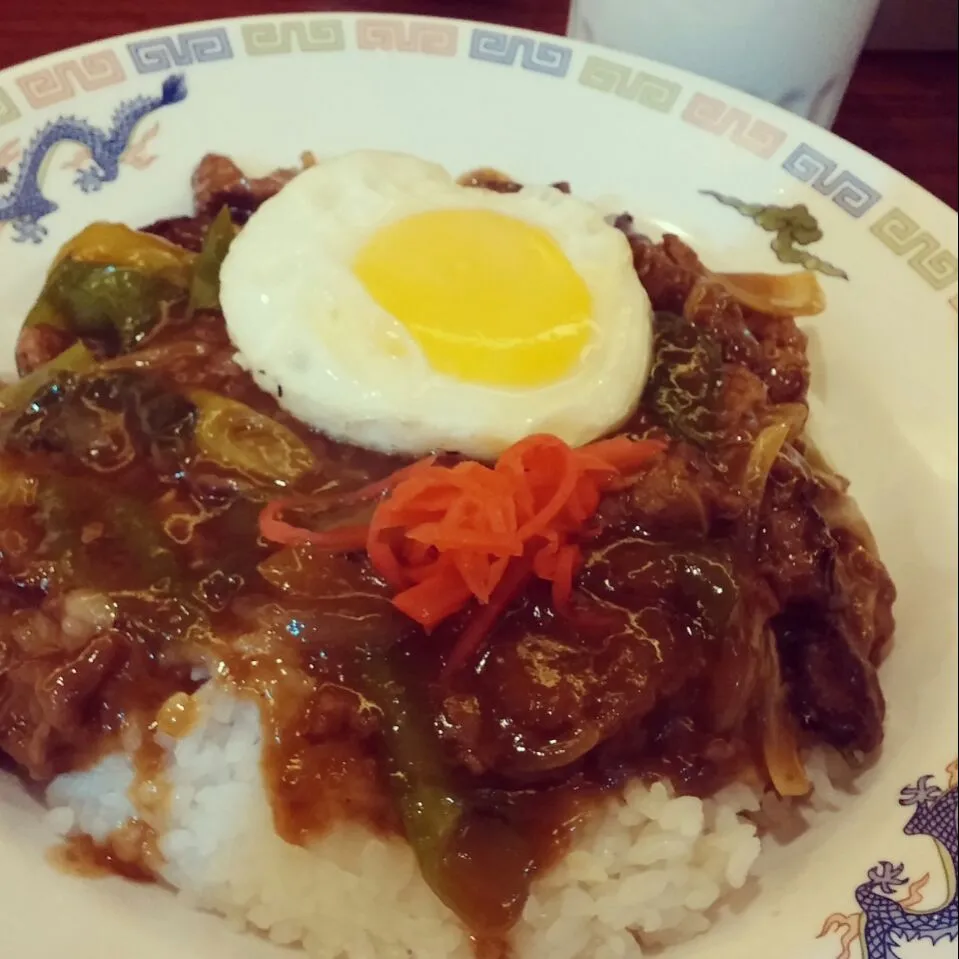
555 755
694 299
233 435
780 744
766 447
778 294
154 357
781 752
794 415
821 469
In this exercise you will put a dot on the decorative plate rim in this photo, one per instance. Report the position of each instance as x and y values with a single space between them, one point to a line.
936 215
792 118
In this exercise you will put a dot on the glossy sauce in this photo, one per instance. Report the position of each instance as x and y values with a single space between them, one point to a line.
665 667
130 852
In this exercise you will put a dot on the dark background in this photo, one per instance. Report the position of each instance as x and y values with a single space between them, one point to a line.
901 107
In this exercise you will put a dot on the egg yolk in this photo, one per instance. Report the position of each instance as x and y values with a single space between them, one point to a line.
488 298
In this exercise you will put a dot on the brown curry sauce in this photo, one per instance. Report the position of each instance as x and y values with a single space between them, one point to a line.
714 630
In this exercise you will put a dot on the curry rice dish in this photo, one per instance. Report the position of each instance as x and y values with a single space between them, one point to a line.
404 566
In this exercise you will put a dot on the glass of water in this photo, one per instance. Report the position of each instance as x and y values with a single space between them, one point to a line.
798 54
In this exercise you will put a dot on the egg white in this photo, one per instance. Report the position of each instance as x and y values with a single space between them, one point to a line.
309 332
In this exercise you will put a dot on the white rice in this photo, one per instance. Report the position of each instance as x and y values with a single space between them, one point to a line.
650 869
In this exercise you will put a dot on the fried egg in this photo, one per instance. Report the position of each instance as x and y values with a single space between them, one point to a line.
390 307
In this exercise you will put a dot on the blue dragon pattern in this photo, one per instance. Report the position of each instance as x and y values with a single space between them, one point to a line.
25 206
886 922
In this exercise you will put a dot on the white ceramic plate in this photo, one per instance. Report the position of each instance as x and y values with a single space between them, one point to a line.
884 390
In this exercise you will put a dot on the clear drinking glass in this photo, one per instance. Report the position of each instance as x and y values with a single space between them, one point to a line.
799 54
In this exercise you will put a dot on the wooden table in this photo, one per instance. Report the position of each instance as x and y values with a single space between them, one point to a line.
901 107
